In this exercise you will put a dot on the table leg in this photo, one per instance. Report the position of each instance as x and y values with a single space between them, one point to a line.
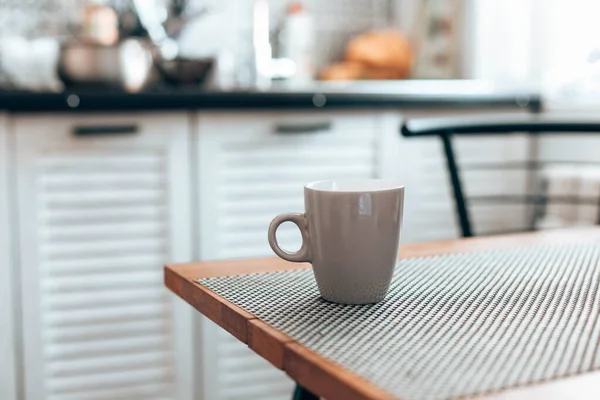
303 394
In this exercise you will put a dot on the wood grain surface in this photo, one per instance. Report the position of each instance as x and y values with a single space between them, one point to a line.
324 377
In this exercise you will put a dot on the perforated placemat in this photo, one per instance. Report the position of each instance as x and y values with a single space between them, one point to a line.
451 326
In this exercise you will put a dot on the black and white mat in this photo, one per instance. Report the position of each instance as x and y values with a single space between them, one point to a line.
451 326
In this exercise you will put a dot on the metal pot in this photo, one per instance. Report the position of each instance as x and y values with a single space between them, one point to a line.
127 65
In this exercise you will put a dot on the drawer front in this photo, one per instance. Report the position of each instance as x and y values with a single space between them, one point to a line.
93 129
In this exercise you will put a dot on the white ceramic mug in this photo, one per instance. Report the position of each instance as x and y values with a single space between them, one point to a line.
350 233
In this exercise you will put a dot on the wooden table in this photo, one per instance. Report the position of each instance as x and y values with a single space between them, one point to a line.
325 378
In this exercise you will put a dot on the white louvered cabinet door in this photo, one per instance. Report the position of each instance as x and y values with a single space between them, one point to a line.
8 378
252 167
103 205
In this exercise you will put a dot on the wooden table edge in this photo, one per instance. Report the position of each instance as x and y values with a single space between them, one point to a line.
268 342
295 359
327 378
224 313
280 350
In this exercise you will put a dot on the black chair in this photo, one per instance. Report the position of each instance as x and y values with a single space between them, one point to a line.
532 124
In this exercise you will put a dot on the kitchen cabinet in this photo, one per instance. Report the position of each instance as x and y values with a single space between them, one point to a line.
8 377
92 206
251 167
103 204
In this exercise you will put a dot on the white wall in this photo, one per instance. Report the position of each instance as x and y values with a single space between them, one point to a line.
501 40
542 42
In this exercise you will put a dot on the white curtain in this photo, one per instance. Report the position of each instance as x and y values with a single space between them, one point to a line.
551 43
498 44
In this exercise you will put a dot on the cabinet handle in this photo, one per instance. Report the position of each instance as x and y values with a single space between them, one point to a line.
303 128
104 130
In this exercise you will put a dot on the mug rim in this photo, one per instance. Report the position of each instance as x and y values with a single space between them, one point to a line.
354 185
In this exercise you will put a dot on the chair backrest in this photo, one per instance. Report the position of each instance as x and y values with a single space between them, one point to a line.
532 124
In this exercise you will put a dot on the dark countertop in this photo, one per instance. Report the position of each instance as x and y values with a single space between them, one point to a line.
381 95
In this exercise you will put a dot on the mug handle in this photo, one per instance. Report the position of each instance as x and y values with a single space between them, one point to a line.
302 255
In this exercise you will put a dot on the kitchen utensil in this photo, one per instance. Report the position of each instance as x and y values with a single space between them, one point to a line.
181 13
350 233
182 71
100 24
173 68
150 19
127 65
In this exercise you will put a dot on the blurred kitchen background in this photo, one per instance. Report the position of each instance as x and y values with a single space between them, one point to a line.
135 133
536 42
